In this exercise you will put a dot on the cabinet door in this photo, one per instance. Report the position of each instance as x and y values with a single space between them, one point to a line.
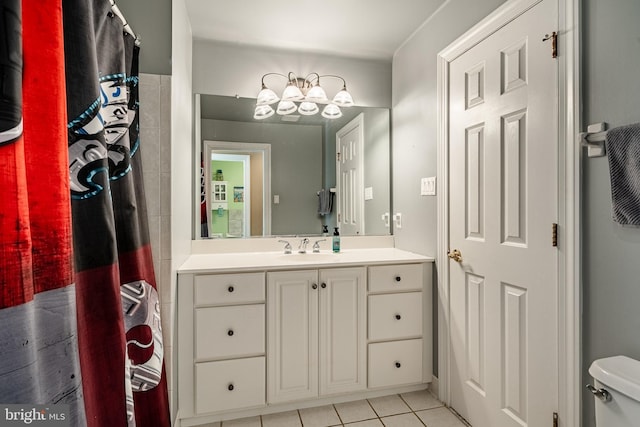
292 328
342 329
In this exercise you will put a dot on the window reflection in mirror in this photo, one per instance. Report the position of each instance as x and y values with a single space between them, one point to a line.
273 171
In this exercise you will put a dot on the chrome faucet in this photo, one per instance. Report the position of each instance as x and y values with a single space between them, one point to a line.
287 246
302 249
316 246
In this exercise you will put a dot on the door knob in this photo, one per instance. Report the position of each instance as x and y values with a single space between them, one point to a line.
456 255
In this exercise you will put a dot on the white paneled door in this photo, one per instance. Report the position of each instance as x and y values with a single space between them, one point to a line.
349 177
503 137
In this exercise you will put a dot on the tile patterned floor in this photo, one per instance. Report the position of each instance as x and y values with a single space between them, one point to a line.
415 409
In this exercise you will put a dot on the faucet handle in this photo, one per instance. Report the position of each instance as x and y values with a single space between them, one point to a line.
316 246
302 248
287 246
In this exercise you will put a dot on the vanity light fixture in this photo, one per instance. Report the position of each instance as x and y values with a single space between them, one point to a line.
307 92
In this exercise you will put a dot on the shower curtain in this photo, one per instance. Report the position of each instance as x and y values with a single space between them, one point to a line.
38 339
79 310
120 335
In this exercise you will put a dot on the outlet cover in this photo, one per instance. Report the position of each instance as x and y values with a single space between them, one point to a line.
428 186
368 193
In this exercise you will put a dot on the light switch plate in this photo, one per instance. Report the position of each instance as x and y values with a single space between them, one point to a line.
276 199
428 186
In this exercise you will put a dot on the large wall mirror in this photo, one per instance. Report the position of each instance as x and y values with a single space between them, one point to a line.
291 175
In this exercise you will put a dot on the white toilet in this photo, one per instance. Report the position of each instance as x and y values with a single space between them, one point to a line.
616 391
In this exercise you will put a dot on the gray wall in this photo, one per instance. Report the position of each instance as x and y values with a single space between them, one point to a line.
611 253
414 123
377 153
231 69
151 21
182 158
296 168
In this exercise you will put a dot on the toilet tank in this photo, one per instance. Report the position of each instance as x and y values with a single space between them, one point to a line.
616 391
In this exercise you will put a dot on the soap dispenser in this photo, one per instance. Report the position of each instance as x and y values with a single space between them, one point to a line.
336 240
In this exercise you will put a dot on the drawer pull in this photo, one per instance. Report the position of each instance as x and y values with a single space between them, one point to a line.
398 317
324 285
230 332
314 286
398 364
230 387
230 288
398 278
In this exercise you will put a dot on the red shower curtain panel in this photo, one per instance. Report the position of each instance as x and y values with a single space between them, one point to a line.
120 336
38 340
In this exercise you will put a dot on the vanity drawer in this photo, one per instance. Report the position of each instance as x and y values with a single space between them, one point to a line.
395 363
229 384
395 316
221 289
391 278
231 331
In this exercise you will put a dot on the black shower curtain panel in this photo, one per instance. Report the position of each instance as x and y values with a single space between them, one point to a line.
39 363
121 348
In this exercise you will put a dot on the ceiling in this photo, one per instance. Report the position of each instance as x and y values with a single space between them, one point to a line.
354 28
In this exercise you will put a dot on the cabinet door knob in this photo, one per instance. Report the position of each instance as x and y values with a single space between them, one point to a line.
324 285
398 317
230 332
230 289
230 387
398 278
314 286
398 364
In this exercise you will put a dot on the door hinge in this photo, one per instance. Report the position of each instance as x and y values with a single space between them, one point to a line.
339 218
555 419
337 157
554 43
554 234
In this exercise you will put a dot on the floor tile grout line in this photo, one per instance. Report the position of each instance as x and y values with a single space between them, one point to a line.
372 408
337 413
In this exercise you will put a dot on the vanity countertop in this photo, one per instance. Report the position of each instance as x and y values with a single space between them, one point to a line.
226 262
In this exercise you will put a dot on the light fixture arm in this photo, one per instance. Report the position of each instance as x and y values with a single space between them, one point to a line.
344 82
309 82
271 74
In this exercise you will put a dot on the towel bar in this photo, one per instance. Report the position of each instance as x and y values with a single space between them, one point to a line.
593 139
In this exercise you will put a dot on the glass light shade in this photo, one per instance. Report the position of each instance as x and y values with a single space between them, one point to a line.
286 107
308 108
292 93
331 111
266 96
343 98
317 94
263 112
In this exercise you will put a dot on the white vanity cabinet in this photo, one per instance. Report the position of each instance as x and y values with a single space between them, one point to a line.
396 324
260 333
317 328
222 325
